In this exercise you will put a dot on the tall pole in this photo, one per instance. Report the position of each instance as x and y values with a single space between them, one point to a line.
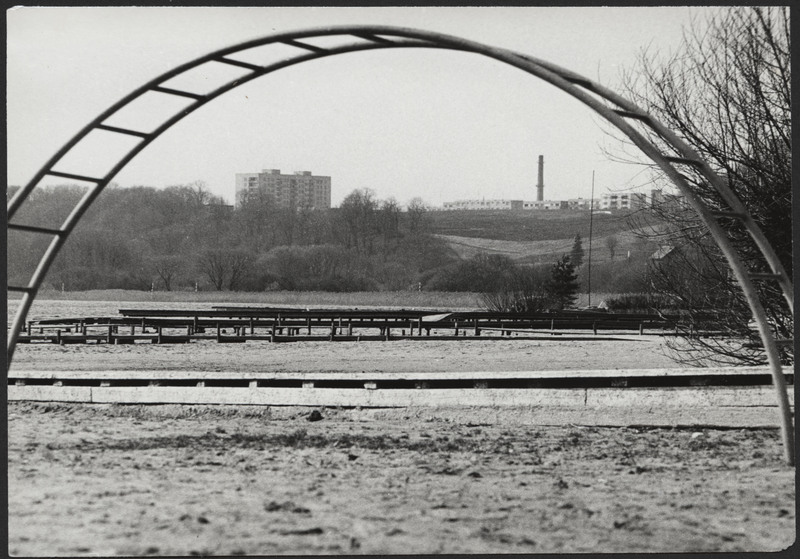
591 219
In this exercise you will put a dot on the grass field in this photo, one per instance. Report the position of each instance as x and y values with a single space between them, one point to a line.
543 251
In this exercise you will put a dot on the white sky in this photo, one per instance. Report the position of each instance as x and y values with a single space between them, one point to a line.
404 122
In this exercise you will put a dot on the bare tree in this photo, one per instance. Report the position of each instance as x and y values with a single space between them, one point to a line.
214 265
168 267
358 214
417 212
727 93
387 223
240 263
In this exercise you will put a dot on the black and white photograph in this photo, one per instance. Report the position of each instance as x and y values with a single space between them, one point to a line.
328 281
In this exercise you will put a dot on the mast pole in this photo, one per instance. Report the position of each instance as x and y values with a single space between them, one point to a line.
591 219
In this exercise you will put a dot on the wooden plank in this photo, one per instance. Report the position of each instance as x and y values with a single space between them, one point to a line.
366 375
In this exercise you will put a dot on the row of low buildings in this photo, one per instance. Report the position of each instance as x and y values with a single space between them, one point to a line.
608 201
302 189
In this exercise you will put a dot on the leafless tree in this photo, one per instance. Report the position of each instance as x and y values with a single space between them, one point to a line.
358 211
239 262
417 215
727 92
168 267
214 265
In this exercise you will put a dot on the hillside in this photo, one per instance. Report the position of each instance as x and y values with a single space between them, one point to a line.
525 225
545 251
533 237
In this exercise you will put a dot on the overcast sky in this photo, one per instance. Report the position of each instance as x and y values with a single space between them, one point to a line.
404 122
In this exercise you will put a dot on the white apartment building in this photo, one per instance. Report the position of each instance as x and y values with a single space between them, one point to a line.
615 201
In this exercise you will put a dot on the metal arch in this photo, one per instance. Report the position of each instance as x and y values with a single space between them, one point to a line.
608 104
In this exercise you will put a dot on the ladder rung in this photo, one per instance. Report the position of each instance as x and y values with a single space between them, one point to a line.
123 130
35 229
306 46
629 114
373 38
75 177
784 341
21 289
765 276
232 62
178 92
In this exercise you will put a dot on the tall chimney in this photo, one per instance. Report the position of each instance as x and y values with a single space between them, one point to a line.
540 183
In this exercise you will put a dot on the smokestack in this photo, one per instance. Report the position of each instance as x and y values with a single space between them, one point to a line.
540 183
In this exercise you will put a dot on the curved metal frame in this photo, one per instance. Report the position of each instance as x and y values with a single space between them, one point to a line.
615 109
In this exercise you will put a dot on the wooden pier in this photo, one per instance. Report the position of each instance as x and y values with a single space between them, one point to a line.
242 324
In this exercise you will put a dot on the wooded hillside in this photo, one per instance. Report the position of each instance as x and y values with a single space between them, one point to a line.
184 238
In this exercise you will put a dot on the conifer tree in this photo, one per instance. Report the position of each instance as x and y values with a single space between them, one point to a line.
563 284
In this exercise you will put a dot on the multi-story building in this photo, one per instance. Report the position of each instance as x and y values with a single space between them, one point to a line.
299 190
615 201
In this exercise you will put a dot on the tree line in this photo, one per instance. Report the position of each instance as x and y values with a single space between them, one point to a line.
184 237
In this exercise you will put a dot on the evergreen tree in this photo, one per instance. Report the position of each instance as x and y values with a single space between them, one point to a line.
563 284
576 256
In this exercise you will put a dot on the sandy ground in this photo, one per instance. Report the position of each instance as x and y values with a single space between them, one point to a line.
199 480
177 480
